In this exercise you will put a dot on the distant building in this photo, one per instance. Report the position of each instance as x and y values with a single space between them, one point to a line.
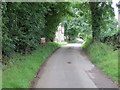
118 12
60 34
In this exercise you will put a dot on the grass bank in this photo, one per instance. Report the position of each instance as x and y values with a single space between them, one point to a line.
104 57
21 73
73 41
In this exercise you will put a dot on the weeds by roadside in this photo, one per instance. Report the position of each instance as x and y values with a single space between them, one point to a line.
21 73
104 56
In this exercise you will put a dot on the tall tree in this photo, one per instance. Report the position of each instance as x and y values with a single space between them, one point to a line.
96 19
100 11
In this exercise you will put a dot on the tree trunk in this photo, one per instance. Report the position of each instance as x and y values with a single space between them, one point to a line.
95 20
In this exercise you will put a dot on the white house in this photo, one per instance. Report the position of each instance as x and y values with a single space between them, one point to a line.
60 34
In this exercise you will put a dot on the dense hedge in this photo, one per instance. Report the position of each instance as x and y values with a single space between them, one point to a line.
114 40
23 26
24 23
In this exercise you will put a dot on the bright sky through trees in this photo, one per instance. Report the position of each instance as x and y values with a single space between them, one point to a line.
115 8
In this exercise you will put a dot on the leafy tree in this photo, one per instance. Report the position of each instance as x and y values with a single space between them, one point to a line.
23 24
55 15
100 11
77 27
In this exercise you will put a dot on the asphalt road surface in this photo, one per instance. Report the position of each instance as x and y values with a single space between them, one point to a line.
69 67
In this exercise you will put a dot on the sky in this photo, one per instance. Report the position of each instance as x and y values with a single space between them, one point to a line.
115 8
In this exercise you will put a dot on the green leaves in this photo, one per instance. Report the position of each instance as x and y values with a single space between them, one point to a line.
24 23
101 13
77 27
56 14
23 26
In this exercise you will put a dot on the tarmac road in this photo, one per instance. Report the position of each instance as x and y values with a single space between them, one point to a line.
70 67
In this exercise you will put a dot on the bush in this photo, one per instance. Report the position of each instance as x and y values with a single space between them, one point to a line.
21 72
87 42
105 58
23 24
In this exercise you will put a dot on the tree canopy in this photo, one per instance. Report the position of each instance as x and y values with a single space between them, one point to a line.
23 23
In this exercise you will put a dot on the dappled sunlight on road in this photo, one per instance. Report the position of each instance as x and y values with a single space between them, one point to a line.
69 67
77 44
74 45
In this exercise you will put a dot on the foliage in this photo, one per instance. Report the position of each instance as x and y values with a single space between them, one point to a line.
73 41
22 26
57 13
105 58
20 74
96 18
113 40
100 11
77 24
25 23
111 28
77 27
87 42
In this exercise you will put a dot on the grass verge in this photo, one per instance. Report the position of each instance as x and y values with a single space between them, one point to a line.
104 57
73 41
21 73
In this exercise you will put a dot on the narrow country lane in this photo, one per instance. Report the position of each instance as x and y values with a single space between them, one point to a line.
69 67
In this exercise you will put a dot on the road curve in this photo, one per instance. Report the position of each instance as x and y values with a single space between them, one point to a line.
69 67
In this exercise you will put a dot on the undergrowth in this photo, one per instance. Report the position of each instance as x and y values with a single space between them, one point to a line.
104 56
20 73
